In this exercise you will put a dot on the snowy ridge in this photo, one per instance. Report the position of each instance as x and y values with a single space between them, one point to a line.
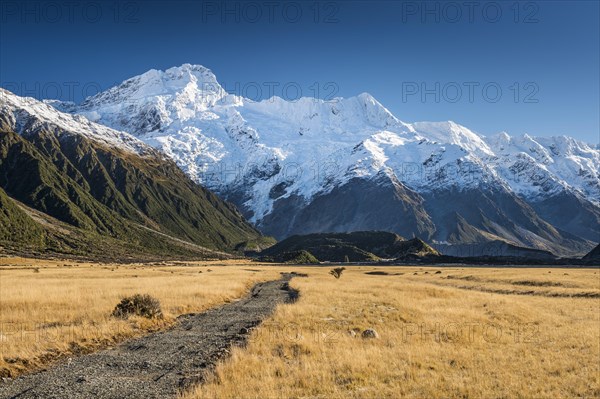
26 114
267 150
541 166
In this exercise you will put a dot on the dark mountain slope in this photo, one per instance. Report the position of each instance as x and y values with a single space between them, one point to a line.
494 214
27 232
94 188
451 216
382 203
570 213
594 254
32 178
354 247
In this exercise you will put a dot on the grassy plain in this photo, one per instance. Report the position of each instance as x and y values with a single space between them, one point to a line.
460 333
455 332
53 309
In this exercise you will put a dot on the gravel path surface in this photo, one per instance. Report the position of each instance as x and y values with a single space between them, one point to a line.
161 364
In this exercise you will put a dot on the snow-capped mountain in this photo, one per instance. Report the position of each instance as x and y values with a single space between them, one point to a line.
25 114
349 164
111 191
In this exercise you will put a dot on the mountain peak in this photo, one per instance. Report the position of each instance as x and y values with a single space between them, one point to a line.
452 133
186 72
191 73
367 97
192 80
191 67
375 112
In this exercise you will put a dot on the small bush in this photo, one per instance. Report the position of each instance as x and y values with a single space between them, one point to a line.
337 272
370 333
140 305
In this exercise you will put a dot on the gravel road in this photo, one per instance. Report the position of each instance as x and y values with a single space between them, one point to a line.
161 364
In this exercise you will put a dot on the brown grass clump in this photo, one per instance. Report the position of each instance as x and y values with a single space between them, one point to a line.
139 305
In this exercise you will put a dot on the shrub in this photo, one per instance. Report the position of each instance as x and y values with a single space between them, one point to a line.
140 305
337 272
370 333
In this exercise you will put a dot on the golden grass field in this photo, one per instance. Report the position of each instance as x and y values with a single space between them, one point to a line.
436 340
463 332
64 308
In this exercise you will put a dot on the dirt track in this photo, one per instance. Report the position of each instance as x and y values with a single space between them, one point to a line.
158 365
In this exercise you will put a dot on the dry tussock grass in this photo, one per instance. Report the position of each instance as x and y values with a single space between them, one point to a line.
439 336
436 340
65 308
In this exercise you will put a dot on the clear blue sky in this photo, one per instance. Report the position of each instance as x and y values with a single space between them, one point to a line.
543 56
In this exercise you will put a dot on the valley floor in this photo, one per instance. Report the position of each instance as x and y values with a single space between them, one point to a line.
53 310
443 331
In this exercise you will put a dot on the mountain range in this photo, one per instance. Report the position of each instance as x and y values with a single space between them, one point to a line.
348 164
70 186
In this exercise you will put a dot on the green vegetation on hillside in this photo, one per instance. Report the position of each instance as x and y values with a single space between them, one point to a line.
27 232
145 202
414 248
16 225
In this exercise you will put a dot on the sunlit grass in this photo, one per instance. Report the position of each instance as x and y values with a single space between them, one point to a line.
435 340
50 309
443 332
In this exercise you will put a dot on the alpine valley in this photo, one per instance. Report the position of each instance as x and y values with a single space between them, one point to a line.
290 167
